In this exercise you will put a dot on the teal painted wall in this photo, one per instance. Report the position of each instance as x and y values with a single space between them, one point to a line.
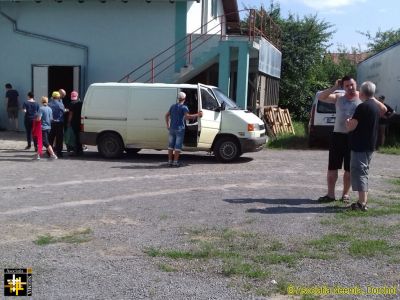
180 33
119 36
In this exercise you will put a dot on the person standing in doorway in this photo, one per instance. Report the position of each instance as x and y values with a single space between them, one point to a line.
363 127
175 120
12 107
339 150
74 120
30 107
57 124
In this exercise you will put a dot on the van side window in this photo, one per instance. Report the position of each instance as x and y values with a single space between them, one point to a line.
326 108
208 101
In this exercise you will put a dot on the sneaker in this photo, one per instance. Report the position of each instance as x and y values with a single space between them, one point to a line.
345 199
36 157
326 199
27 148
53 156
358 206
85 148
169 164
176 164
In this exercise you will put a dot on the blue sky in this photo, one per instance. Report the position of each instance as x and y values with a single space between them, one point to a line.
347 16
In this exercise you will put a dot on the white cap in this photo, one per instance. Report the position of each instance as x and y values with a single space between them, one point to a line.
181 95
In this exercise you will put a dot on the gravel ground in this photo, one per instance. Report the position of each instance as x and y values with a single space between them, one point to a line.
135 203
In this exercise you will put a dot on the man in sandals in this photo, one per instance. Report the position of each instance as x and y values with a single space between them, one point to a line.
363 127
339 150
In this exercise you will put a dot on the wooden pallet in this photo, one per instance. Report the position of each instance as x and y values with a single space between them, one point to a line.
279 119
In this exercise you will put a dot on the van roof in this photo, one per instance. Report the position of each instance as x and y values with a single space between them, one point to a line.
135 84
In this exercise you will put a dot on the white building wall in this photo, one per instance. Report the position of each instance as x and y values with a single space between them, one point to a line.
384 70
203 11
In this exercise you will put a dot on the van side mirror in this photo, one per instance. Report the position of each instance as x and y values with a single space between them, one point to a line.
223 106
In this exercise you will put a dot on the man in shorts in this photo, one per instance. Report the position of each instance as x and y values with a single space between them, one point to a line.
363 127
175 120
12 106
339 150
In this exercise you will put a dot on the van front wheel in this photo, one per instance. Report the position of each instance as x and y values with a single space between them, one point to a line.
226 150
110 145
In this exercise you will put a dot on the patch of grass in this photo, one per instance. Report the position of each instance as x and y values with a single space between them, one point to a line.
368 248
239 267
76 237
394 150
45 240
277 258
291 141
166 268
329 241
384 210
315 254
395 181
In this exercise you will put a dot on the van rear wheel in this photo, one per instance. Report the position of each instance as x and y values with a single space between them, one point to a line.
110 145
226 150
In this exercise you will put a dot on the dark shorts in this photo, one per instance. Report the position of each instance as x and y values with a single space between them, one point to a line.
339 152
45 137
12 112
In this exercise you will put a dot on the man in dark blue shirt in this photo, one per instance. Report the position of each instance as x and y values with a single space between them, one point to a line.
175 120
57 124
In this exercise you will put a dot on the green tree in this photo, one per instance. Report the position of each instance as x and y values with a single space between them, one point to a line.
306 65
382 39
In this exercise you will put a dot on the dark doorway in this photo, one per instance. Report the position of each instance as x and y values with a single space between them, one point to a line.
61 77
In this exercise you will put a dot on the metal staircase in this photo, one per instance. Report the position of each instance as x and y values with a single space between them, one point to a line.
199 50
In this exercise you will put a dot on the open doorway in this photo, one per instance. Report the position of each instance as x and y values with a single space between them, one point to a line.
47 79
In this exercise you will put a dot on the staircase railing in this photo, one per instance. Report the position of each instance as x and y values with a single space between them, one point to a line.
180 54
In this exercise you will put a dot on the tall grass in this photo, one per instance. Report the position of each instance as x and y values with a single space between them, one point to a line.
291 141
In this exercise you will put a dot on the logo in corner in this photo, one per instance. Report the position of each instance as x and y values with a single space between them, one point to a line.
18 282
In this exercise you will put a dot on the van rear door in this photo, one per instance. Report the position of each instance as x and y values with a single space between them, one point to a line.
210 123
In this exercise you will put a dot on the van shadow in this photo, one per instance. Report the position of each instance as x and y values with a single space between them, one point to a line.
285 206
136 161
141 160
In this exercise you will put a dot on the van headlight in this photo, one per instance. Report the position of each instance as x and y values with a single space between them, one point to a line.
253 127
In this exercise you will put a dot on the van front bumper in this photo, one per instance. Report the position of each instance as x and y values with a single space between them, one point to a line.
253 144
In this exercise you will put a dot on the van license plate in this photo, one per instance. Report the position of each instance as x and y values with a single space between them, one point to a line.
330 120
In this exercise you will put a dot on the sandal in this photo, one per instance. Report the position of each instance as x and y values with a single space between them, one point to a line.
358 206
325 199
345 199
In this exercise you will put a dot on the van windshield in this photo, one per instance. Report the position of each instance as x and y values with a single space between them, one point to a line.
222 98
326 108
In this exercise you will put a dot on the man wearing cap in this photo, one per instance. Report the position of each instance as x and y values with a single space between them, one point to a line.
57 124
175 120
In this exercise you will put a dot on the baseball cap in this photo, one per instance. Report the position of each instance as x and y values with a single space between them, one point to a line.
55 94
74 95
181 95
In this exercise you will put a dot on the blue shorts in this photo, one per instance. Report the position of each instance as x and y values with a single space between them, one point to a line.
175 139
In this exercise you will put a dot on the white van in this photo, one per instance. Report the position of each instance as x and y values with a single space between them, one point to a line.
322 120
131 117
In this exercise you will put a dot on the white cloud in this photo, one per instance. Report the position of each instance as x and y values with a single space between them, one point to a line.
330 4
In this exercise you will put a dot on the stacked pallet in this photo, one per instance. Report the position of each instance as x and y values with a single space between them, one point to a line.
278 119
